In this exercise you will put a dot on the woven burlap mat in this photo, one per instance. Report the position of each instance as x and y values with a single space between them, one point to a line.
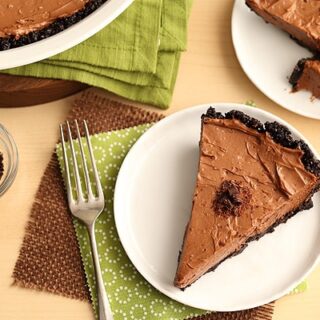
49 258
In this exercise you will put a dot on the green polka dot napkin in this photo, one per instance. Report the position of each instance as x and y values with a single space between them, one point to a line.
130 295
136 56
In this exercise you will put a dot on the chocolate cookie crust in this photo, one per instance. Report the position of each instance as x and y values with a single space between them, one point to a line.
54 28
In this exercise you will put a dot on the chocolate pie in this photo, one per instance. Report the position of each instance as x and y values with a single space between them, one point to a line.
251 177
306 76
24 22
299 18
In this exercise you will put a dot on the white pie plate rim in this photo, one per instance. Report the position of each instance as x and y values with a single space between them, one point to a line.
66 39
144 151
268 56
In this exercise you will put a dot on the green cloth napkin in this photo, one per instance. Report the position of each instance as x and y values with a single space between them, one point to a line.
136 56
130 295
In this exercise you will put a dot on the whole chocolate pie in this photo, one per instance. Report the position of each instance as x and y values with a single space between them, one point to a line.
251 178
24 22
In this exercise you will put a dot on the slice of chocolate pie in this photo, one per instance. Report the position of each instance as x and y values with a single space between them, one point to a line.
306 76
299 18
251 178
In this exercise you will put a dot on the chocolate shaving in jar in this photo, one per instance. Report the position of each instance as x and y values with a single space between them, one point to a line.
1 165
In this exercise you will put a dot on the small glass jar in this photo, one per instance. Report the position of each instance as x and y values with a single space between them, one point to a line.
9 151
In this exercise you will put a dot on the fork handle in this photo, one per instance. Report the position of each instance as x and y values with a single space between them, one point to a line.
104 310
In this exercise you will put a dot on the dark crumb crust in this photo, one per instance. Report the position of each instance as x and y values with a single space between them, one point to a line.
282 136
54 28
298 70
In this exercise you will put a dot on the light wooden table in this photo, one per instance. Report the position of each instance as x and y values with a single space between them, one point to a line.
209 72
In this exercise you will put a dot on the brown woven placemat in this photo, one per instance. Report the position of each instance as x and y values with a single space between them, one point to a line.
49 258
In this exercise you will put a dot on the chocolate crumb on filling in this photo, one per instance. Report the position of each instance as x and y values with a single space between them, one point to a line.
232 198
1 165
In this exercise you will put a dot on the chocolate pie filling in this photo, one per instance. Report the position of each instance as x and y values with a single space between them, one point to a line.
21 17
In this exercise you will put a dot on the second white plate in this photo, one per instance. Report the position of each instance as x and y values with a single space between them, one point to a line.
153 199
268 56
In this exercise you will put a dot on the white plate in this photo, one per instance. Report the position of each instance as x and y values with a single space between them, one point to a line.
65 39
152 205
268 57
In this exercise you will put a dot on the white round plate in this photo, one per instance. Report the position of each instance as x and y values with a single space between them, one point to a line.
152 203
66 39
268 57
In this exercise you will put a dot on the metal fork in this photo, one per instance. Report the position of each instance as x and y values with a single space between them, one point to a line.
86 208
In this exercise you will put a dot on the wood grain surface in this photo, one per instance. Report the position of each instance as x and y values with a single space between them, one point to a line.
18 91
209 72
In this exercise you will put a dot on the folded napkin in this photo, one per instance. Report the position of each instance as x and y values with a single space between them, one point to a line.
136 56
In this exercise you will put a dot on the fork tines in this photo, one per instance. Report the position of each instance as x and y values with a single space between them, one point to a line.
75 164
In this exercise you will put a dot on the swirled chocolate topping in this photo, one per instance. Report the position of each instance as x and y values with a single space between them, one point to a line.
246 184
21 17
300 18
